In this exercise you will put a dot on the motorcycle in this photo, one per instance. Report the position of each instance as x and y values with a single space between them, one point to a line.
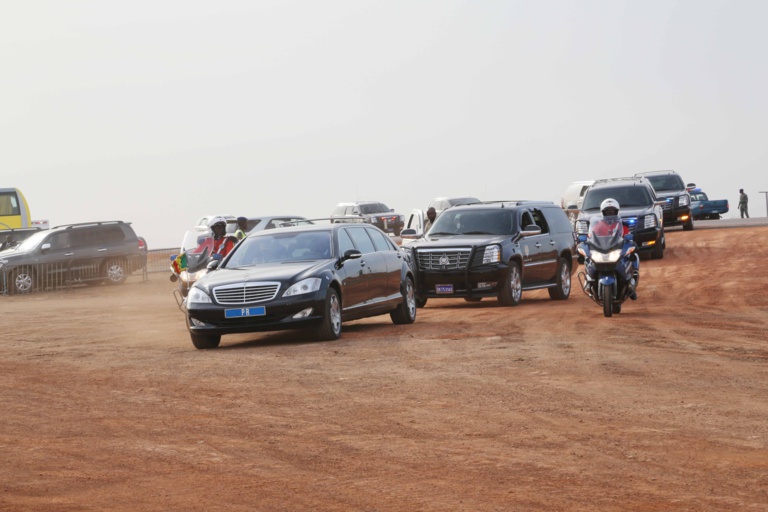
611 264
190 265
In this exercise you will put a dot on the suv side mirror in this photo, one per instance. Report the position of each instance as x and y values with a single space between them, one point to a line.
583 238
46 246
531 231
408 232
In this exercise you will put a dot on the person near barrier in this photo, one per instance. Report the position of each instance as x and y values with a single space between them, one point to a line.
743 201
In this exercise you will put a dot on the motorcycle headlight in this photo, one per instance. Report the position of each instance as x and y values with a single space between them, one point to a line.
309 285
683 200
582 227
649 221
606 257
197 296
187 277
492 254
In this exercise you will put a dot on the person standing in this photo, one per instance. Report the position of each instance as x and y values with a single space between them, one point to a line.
743 200
431 216
242 228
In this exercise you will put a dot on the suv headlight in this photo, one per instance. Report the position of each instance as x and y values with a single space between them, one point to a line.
684 200
492 254
650 221
582 227
309 285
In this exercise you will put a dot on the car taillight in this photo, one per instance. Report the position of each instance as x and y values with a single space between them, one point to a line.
142 245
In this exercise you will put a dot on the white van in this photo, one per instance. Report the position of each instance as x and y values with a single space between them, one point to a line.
574 194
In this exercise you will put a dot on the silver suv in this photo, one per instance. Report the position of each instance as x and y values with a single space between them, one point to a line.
91 253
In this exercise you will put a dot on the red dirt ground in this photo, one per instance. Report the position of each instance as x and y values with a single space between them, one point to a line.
475 407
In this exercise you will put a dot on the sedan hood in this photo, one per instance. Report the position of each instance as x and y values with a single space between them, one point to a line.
256 273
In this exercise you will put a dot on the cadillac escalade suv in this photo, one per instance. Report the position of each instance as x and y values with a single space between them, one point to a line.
640 211
495 250
671 189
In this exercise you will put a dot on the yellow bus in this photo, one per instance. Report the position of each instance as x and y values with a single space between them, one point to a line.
14 210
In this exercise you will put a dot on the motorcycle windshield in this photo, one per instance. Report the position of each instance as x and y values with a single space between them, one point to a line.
197 258
606 233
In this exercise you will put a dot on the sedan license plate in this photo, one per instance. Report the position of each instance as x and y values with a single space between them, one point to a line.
243 312
444 288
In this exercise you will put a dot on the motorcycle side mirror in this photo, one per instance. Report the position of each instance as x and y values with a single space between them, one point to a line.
629 237
174 256
582 238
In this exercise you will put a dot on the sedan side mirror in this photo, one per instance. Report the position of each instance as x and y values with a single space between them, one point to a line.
213 265
351 254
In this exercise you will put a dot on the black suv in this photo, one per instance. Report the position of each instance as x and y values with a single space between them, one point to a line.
671 189
90 253
641 211
372 212
496 250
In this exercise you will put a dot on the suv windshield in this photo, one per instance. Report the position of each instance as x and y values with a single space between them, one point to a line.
627 197
666 182
474 222
374 208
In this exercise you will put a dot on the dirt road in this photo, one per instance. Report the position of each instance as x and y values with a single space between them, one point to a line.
105 404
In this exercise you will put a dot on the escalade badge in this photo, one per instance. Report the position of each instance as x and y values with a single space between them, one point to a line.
444 260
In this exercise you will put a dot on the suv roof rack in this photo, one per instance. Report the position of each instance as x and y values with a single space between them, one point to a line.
648 173
623 178
99 223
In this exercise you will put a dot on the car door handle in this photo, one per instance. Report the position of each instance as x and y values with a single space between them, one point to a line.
552 242
538 245
103 249
69 254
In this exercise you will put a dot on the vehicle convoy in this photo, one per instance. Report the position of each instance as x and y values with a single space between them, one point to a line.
310 277
255 223
611 274
702 207
371 212
90 253
671 189
496 249
641 211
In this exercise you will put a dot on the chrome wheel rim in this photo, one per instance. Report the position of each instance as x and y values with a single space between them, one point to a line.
23 282
410 299
515 284
115 272
334 311
565 278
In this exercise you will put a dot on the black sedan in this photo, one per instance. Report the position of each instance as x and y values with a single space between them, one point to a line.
306 276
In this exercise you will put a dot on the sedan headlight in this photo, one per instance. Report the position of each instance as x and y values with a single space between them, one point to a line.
197 296
492 254
606 257
309 285
683 200
582 227
650 221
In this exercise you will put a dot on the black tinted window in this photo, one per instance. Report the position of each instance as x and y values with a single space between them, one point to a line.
666 182
557 220
627 197
540 221
362 241
380 240
345 243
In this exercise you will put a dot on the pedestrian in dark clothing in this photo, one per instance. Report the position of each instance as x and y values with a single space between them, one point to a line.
743 200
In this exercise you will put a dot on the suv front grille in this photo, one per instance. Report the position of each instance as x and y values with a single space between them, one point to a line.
442 259
245 293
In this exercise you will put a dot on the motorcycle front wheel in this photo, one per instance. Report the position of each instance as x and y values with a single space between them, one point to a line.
607 297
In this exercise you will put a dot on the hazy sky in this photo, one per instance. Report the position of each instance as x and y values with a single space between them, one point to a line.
160 112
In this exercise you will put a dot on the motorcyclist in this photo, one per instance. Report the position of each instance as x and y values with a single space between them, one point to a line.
222 243
610 210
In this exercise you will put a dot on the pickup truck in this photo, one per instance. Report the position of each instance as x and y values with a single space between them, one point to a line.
704 208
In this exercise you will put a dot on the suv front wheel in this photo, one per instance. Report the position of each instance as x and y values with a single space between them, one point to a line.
512 288
658 249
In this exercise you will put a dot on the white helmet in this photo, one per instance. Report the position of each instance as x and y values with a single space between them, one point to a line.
611 205
217 220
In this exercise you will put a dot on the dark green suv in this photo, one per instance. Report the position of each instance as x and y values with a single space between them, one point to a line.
91 253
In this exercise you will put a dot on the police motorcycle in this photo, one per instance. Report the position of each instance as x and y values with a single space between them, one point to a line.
611 263
191 264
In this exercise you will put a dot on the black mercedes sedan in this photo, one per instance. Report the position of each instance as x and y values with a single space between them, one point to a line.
310 277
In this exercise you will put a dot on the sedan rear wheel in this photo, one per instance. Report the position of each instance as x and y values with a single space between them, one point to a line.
406 310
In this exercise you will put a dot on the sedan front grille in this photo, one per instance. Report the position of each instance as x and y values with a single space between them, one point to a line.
443 259
245 293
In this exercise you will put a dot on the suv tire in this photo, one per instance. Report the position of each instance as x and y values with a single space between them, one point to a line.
22 281
115 272
688 226
658 249
563 288
512 289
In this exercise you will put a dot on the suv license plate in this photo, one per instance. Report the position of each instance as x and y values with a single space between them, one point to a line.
242 312
444 288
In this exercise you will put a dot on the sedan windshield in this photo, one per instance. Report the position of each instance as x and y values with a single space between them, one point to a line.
282 248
